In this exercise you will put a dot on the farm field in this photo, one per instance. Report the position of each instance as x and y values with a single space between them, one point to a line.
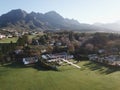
91 76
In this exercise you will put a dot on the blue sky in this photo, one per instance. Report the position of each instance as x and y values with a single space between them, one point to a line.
85 11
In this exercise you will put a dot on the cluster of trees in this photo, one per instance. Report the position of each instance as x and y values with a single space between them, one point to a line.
79 44
7 49
83 43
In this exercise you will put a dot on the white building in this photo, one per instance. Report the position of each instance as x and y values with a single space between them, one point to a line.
110 60
2 36
30 60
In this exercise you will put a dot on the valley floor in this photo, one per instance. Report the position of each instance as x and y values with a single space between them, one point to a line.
91 76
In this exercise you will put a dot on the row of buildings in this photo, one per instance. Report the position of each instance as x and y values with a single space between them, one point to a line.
9 33
46 57
113 60
5 36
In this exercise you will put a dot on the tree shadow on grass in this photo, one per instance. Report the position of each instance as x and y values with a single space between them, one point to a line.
15 65
102 68
42 68
4 69
36 66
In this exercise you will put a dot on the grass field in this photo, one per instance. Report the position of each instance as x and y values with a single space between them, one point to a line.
14 39
90 77
8 40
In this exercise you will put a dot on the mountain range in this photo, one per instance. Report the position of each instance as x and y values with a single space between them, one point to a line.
20 19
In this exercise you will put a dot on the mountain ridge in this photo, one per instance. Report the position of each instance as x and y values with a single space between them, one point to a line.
20 19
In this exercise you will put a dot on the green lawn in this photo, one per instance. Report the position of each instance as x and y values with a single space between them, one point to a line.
8 40
14 39
32 36
91 76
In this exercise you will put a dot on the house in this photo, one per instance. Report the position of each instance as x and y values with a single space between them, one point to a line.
2 36
58 59
30 60
101 51
58 43
43 50
9 36
51 43
113 60
93 57
57 55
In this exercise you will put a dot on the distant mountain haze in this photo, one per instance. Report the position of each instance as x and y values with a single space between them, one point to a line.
112 26
20 19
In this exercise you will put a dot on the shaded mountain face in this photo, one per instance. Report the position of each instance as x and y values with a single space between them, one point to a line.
20 19
12 17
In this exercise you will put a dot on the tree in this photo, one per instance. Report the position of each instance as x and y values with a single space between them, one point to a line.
89 47
71 36
49 49
71 48
2 58
12 46
98 40
23 40
43 39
